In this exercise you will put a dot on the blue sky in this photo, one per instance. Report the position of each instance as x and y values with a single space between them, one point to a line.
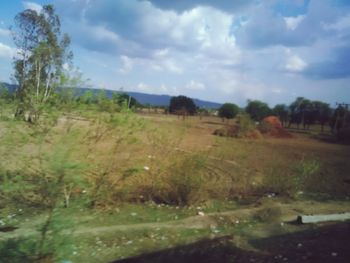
223 51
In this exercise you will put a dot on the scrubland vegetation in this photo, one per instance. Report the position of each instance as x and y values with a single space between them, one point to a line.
85 178
75 171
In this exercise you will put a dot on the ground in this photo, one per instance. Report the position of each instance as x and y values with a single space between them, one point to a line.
256 225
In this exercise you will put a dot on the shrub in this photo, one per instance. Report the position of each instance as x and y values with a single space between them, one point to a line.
292 183
246 127
17 251
186 181
304 170
182 182
180 179
228 111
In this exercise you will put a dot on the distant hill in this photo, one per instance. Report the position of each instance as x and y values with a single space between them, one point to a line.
11 87
143 98
164 100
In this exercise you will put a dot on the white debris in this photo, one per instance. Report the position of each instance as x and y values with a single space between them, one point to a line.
146 168
200 213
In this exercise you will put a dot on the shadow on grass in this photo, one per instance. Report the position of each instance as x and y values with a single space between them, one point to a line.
329 243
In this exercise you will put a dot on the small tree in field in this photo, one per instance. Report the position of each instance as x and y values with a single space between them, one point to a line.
228 111
42 52
183 105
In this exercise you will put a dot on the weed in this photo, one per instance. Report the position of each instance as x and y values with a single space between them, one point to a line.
304 170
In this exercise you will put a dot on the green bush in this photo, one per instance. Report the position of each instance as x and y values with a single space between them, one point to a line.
17 251
186 182
246 126
228 111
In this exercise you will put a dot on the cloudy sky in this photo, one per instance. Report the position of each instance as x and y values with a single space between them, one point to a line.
223 51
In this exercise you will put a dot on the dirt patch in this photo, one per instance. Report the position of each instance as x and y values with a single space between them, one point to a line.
272 127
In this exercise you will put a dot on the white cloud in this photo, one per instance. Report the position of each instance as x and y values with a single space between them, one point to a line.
194 85
144 87
294 62
278 91
157 50
6 51
171 66
127 64
293 22
32 6
5 32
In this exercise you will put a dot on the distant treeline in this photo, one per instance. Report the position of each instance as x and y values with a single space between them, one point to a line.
302 112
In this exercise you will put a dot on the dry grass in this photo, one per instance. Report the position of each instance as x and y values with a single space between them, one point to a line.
269 164
153 157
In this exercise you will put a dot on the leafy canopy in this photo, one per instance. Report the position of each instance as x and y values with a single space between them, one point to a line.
228 110
182 104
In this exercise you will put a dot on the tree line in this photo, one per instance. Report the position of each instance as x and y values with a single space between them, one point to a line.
302 112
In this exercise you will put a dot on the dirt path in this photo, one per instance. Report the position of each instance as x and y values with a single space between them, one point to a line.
288 212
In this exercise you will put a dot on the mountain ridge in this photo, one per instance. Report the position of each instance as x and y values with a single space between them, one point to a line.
143 98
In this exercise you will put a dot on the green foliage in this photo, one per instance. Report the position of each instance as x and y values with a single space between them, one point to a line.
228 111
257 110
17 250
103 102
182 105
281 111
295 181
57 243
245 125
38 66
186 181
5 95
340 118
106 175
304 170
306 112
124 100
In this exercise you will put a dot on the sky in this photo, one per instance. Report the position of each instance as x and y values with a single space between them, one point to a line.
221 51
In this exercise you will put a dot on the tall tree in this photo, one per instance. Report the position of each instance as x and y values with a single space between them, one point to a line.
257 109
228 110
301 111
322 112
281 111
182 105
43 50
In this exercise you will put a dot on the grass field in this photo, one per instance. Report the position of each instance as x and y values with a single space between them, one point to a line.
123 185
